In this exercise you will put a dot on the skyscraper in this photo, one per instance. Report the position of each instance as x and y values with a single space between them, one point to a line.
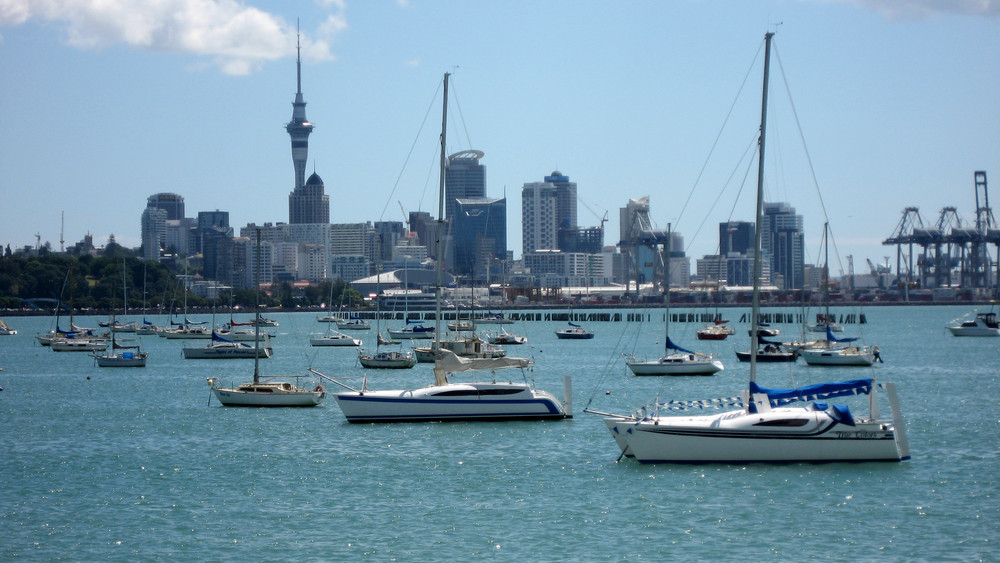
309 203
173 204
547 207
464 178
782 239
736 236
480 234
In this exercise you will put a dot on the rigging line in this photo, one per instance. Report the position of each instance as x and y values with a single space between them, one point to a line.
461 117
719 134
751 145
795 114
408 154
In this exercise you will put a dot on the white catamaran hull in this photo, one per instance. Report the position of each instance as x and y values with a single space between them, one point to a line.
454 401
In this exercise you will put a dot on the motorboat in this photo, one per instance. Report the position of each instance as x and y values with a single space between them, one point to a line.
984 324
388 359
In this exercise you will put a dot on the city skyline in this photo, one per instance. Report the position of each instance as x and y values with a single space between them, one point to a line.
627 102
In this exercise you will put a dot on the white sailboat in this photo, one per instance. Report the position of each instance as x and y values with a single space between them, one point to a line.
269 393
384 359
825 320
675 360
762 427
444 400
122 356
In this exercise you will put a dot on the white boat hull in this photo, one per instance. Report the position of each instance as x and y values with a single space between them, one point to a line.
973 331
739 437
269 395
224 352
454 401
837 357
334 341
676 364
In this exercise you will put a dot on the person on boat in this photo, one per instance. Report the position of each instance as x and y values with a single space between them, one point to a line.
876 356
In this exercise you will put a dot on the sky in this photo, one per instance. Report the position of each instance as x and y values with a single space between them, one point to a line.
875 106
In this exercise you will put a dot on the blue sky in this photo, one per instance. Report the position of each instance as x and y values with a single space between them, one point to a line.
103 104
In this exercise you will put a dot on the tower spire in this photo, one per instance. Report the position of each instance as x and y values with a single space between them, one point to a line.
299 127
298 60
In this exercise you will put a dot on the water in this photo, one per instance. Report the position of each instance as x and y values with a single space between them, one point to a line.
135 464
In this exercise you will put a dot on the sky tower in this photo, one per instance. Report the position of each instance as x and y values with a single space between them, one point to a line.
298 128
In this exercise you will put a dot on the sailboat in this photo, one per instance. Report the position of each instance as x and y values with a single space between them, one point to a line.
270 393
384 359
762 428
6 329
825 320
444 400
676 360
121 356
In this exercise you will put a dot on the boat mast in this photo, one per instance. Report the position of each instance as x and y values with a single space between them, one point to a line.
826 271
666 320
755 309
256 317
440 220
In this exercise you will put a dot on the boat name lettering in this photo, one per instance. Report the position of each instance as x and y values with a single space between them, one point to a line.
858 435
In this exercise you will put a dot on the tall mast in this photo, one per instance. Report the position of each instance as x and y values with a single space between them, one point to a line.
256 317
755 310
440 220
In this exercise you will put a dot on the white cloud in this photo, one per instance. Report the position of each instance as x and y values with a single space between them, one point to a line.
237 38
922 9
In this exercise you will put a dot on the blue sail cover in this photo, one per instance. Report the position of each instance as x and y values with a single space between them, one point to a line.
218 338
831 338
573 324
672 346
818 392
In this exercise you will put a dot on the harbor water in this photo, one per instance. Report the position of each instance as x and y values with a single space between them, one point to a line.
141 464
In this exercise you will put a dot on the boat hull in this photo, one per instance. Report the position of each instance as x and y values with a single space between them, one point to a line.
767 356
737 437
334 341
837 357
226 353
122 361
574 335
676 364
275 398
974 331
451 402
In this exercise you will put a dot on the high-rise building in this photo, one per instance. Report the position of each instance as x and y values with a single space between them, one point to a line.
464 178
299 128
154 232
736 236
565 194
547 207
309 203
783 240
538 217
480 226
173 204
